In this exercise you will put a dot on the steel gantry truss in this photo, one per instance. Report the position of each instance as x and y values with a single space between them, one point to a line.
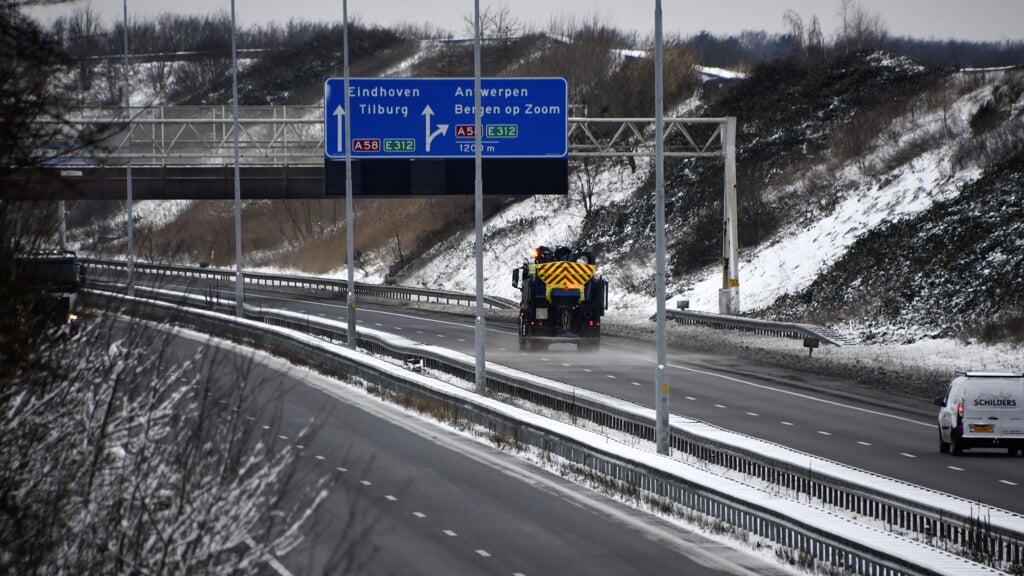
274 135
293 136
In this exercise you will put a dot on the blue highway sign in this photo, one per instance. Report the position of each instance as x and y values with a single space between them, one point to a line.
435 118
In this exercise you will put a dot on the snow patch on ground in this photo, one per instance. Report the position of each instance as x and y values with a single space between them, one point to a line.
157 213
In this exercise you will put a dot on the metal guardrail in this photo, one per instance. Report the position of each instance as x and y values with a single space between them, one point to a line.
753 325
323 286
808 530
903 507
410 294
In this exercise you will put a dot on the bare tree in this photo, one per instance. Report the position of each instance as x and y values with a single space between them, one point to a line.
82 38
583 52
796 32
861 30
583 178
496 24
815 41
119 456
845 7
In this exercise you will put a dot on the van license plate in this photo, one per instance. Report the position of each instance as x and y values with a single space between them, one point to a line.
981 428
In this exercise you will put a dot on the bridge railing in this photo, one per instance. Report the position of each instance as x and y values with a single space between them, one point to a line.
945 521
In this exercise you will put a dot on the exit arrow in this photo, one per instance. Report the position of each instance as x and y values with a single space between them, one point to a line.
442 129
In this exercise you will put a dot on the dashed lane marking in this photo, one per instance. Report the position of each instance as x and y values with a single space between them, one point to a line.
799 395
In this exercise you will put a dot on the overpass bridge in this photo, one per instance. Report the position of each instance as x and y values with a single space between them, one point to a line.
188 152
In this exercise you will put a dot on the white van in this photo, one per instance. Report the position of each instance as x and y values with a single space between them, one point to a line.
982 410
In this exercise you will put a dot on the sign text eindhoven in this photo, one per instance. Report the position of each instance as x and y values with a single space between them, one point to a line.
435 118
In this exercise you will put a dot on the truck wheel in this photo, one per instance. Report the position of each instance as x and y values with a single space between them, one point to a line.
943 446
1013 451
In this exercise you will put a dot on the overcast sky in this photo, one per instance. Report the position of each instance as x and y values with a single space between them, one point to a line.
926 19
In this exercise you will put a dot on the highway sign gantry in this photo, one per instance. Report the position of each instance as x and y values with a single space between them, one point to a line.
410 118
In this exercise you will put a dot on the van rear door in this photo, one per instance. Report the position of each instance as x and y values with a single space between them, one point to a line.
994 406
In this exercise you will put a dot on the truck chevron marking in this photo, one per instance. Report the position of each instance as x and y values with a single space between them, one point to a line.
565 274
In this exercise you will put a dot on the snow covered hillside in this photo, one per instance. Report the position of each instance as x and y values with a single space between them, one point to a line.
914 160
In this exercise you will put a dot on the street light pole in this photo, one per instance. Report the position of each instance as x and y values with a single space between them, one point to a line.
128 171
481 378
660 378
350 250
239 296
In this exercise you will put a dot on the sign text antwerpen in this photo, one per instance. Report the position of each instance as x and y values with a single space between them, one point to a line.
435 118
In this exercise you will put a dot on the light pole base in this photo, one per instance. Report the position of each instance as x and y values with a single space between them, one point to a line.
729 301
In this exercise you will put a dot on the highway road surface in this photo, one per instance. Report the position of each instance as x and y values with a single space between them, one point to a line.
416 497
870 429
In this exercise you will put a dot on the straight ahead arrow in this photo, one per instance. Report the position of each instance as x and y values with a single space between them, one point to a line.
339 113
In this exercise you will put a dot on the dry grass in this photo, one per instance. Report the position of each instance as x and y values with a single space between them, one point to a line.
307 235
